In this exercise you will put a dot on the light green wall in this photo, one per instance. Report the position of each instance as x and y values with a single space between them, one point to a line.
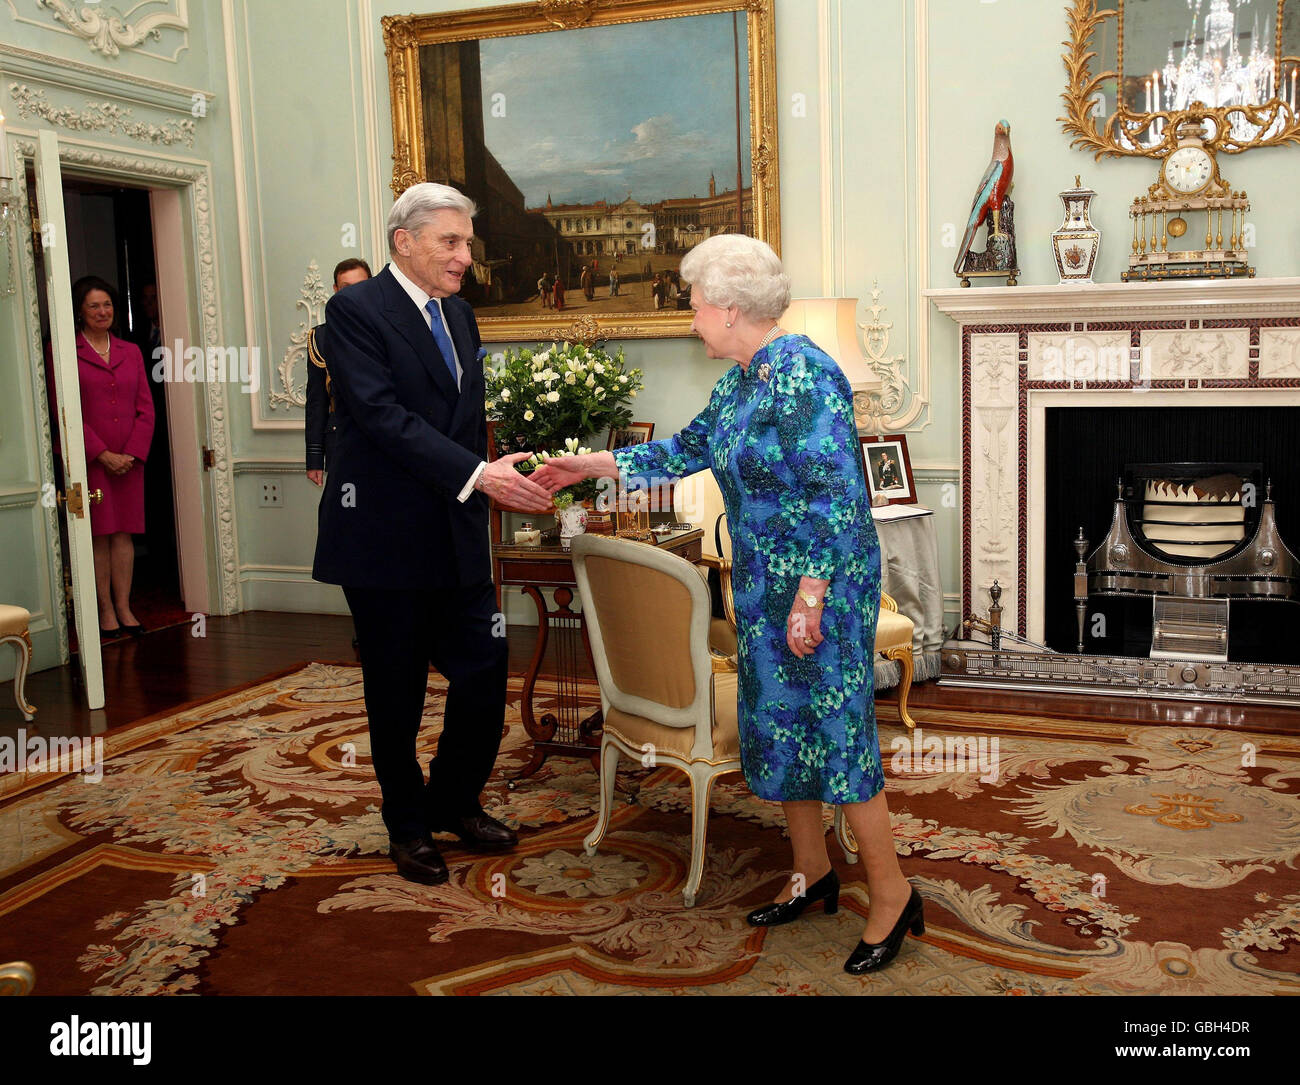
66 75
314 153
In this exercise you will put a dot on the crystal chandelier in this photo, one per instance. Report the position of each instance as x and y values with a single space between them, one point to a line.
1216 73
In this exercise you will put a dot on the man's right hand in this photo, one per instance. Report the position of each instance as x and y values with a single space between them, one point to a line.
511 490
318 477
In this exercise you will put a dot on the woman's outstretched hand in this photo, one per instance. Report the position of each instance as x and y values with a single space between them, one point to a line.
552 477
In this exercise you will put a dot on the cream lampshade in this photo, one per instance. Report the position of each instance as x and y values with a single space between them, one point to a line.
831 323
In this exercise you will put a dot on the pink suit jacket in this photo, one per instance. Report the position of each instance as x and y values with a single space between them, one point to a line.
116 404
117 415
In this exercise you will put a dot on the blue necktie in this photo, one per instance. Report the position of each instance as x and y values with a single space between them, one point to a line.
440 337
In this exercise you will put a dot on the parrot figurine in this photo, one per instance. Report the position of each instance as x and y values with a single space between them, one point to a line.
993 189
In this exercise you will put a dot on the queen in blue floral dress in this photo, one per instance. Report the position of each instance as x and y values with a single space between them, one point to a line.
779 435
780 438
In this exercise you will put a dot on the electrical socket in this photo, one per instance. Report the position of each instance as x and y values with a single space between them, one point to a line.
272 498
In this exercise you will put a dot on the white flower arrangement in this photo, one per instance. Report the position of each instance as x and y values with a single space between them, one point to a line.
545 397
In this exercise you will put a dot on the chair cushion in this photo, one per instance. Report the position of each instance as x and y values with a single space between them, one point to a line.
13 620
637 730
893 631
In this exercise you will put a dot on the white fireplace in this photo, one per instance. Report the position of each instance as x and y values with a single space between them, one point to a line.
1026 350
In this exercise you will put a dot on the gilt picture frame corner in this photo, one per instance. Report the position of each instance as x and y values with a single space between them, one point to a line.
593 165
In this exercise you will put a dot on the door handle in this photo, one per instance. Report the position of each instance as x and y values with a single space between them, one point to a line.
73 499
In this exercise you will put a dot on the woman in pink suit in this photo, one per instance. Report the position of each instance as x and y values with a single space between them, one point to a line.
117 417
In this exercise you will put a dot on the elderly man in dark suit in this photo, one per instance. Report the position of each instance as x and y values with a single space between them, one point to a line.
403 525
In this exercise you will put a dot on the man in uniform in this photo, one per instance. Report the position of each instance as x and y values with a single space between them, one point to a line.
320 402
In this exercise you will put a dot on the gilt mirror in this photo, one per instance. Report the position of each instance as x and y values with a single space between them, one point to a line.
1138 69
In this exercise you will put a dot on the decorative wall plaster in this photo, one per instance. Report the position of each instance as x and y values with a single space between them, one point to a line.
218 433
994 467
875 411
99 116
108 32
1279 353
312 300
1210 354
1079 356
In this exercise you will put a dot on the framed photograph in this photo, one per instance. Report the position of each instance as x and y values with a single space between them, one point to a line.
595 160
889 469
634 433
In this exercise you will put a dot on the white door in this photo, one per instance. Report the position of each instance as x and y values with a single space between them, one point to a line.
76 499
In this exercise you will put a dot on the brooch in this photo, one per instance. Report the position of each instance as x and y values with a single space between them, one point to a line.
765 372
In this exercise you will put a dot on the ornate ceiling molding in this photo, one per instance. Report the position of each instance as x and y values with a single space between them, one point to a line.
108 32
60 73
99 116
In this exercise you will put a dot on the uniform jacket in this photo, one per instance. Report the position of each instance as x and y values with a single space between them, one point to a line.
320 426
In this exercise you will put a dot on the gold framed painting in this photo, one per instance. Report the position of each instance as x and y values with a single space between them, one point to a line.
601 140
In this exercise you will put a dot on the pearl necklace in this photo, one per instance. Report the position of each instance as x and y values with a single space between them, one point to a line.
775 333
108 347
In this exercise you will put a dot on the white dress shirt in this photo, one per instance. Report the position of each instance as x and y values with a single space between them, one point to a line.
422 300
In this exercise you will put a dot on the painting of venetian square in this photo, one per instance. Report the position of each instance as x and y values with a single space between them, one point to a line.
597 157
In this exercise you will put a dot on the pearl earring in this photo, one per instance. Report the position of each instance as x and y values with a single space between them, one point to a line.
728 323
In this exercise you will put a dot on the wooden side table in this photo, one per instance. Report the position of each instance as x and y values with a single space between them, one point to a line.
564 732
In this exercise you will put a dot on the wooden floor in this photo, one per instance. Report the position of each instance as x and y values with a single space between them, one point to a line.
170 668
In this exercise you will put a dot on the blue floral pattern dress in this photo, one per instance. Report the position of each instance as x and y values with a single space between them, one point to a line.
781 441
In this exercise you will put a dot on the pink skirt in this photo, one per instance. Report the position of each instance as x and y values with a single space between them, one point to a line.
123 506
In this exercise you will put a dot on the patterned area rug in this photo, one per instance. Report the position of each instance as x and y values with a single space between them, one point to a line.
235 848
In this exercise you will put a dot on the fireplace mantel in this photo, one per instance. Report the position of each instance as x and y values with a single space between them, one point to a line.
1119 301
1028 349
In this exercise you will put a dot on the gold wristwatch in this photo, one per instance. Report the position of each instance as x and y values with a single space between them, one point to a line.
810 599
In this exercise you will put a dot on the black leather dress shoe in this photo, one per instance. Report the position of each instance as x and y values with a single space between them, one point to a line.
418 861
873 956
825 888
478 831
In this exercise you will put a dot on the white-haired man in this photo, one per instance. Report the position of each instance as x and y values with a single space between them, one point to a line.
403 525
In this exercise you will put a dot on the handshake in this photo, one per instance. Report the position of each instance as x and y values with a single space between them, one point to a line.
504 484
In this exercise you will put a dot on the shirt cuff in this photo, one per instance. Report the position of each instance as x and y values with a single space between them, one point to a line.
463 496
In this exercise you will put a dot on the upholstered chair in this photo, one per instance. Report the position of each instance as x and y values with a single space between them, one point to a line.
13 630
648 614
698 500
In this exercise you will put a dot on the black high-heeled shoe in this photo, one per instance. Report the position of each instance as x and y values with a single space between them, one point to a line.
871 957
825 888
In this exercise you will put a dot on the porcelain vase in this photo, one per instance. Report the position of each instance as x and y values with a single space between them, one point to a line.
573 521
1076 243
